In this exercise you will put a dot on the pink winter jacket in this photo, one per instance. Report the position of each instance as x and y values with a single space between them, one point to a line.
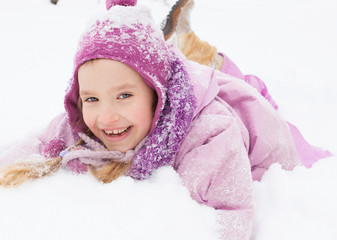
235 136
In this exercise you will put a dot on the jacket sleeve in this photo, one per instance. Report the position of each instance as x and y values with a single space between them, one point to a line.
39 147
213 164
266 135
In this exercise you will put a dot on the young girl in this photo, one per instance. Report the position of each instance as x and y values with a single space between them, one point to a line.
135 103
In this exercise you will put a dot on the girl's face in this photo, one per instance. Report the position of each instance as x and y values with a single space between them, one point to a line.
117 105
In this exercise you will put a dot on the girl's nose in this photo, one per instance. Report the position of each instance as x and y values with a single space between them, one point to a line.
108 115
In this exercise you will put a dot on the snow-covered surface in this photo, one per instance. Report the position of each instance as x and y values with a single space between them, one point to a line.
290 44
66 206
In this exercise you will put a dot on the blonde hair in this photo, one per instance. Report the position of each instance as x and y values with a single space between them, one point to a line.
109 172
18 173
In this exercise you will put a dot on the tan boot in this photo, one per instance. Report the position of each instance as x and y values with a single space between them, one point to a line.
184 20
178 23
199 51
169 25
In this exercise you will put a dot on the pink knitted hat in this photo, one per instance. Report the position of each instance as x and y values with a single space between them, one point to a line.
124 33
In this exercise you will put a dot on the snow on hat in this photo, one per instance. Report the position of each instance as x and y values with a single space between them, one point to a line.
110 3
124 33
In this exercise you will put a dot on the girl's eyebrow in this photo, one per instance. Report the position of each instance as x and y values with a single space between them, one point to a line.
84 92
115 88
124 86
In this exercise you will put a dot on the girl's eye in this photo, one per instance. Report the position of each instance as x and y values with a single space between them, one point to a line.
124 95
91 99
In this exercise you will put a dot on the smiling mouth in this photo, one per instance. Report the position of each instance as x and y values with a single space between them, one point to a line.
117 132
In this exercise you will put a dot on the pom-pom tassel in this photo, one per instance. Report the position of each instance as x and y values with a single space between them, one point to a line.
125 3
53 148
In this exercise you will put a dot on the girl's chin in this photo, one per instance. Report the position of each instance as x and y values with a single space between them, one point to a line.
119 147
122 149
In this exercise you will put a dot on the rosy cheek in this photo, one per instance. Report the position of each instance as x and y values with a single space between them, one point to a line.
88 119
144 117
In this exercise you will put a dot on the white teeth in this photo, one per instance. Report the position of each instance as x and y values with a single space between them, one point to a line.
115 132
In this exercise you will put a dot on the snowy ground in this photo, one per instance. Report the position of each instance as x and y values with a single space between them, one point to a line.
290 44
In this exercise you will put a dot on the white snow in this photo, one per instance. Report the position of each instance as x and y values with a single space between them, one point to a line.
291 45
68 206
